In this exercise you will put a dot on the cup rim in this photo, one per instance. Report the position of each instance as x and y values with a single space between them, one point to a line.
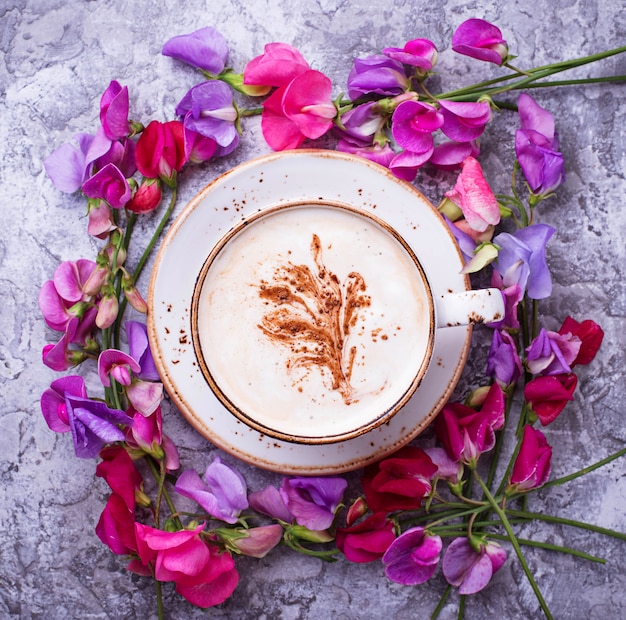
248 418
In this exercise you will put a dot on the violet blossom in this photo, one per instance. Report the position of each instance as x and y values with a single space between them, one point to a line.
222 494
551 353
412 558
480 39
522 259
204 49
418 53
503 362
313 501
464 121
377 74
269 501
114 108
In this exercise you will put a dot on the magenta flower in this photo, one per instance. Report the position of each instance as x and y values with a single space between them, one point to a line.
313 501
405 164
471 570
503 362
147 197
536 147
208 109
512 296
160 150
269 501
108 184
146 436
448 469
114 108
413 124
299 110
479 39
116 526
198 148
464 121
547 395
450 155
412 558
532 465
204 49
418 53
378 75
551 353
222 494
119 472
382 155
522 259
53 406
368 540
277 66
473 195
115 364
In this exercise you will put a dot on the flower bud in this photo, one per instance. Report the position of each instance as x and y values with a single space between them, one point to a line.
147 197
356 511
303 533
107 311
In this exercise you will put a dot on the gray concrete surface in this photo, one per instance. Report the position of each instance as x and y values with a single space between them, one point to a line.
57 56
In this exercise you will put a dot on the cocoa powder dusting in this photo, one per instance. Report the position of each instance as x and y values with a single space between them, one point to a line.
314 315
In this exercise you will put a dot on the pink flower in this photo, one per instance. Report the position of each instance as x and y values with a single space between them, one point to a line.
469 569
450 155
203 574
110 185
464 121
160 151
269 502
146 198
412 558
367 541
548 395
53 406
115 364
277 66
532 465
551 353
474 197
301 109
418 53
257 542
146 436
114 107
413 124
481 40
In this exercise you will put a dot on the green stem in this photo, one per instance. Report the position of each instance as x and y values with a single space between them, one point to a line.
514 542
442 602
159 598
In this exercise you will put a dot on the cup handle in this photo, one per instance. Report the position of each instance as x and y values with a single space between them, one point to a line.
470 307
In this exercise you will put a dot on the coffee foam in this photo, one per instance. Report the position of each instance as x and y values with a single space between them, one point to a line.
312 321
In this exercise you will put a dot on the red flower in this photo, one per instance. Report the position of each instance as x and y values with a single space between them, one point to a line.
532 465
548 395
367 541
399 482
146 198
590 334
160 150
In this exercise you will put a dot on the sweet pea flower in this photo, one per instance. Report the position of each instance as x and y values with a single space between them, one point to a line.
450 155
119 472
378 75
146 436
412 558
222 494
203 574
366 541
198 148
116 526
532 465
114 108
277 66
382 155
547 395
147 197
480 39
269 501
590 335
108 184
313 501
301 109
413 124
53 406
473 195
255 542
204 49
405 164
464 121
522 259
471 570
466 433
448 469
418 53
101 221
512 296
536 147
503 362
160 151
139 350
117 365
399 482
551 353
362 122
60 356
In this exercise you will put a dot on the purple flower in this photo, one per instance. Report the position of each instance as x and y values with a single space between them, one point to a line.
450 155
269 502
536 147
522 259
139 349
67 165
406 163
378 75
204 49
464 121
382 155
222 494
361 122
512 296
53 405
413 124
469 569
503 362
208 110
108 184
419 53
114 107
481 40
313 501
551 353
412 558
115 364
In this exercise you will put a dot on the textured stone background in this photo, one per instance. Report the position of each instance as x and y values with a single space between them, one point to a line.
57 56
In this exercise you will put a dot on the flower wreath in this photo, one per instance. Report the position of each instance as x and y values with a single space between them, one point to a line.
417 498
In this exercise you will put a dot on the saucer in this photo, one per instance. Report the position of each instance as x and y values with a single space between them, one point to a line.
270 181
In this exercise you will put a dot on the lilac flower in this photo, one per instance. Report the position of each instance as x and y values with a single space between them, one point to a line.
361 122
378 75
413 124
412 558
114 107
503 362
479 39
536 147
139 349
222 494
108 184
419 53
204 49
512 296
269 502
469 569
208 110
522 259
313 501
551 353
464 121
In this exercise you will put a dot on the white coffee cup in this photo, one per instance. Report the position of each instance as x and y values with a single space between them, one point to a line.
315 322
